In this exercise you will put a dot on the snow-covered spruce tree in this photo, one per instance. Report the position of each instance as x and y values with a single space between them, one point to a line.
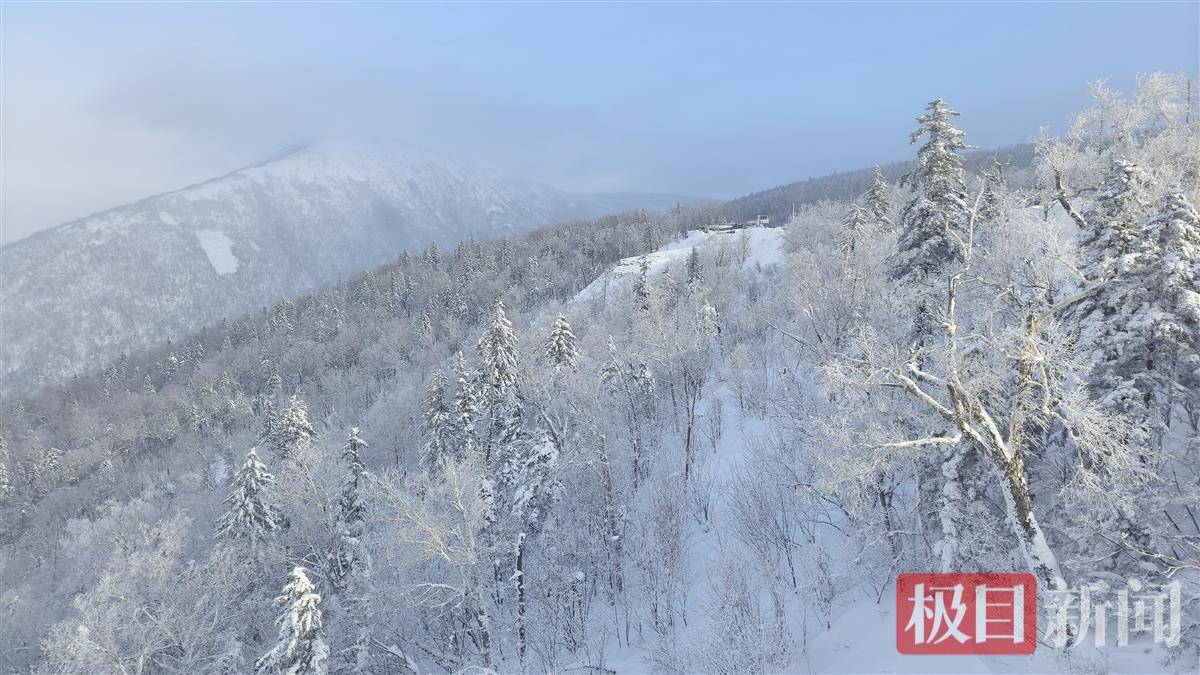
561 349
466 408
498 356
348 555
695 270
437 420
425 328
1108 250
854 226
641 286
1170 270
933 223
534 482
284 317
1140 326
995 183
301 649
878 202
1114 221
293 430
252 516
1143 334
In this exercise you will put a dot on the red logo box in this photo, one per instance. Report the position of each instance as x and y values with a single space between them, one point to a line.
966 613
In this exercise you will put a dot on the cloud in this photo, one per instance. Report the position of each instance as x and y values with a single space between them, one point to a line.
74 150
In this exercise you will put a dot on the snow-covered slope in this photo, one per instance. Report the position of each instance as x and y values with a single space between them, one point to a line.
764 248
76 295
861 634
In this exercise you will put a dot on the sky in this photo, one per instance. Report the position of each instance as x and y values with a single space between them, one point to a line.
103 104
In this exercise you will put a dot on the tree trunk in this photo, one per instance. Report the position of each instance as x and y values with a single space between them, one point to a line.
950 503
1041 560
519 576
479 615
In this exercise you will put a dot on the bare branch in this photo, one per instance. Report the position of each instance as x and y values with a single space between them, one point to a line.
1060 193
922 442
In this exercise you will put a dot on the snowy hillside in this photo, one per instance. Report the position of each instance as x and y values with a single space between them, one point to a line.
161 267
759 246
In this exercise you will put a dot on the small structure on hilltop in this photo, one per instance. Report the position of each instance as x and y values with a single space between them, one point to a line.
727 226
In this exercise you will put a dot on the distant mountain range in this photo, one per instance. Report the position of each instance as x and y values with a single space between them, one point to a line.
777 202
75 296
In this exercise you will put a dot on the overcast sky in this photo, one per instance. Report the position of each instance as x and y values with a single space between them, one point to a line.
105 104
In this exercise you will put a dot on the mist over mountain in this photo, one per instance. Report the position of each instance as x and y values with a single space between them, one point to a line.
161 267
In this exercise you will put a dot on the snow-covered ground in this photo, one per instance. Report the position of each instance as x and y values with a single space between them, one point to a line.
219 249
764 250
862 635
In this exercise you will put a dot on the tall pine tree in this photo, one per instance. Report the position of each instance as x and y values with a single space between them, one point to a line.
561 348
437 418
348 555
878 202
1142 326
293 430
641 286
466 408
301 650
854 226
1108 252
932 225
498 356
695 270
251 516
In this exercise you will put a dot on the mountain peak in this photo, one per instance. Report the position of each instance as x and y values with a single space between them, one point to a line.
306 215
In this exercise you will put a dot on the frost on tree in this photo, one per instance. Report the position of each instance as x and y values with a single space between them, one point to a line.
437 419
301 649
1171 270
932 225
641 286
533 479
498 356
498 353
1108 252
292 430
1114 221
695 270
854 225
466 408
251 515
561 349
878 203
348 555
1141 326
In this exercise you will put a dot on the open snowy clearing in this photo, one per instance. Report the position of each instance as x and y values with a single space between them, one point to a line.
764 249
219 249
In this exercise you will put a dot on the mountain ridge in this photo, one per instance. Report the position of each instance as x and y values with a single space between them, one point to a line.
163 266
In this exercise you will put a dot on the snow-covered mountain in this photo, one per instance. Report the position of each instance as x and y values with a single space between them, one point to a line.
76 295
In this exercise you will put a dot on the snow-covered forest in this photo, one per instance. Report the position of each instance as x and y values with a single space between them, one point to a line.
641 443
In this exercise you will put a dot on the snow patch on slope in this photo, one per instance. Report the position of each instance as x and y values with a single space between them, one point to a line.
219 249
167 218
765 249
